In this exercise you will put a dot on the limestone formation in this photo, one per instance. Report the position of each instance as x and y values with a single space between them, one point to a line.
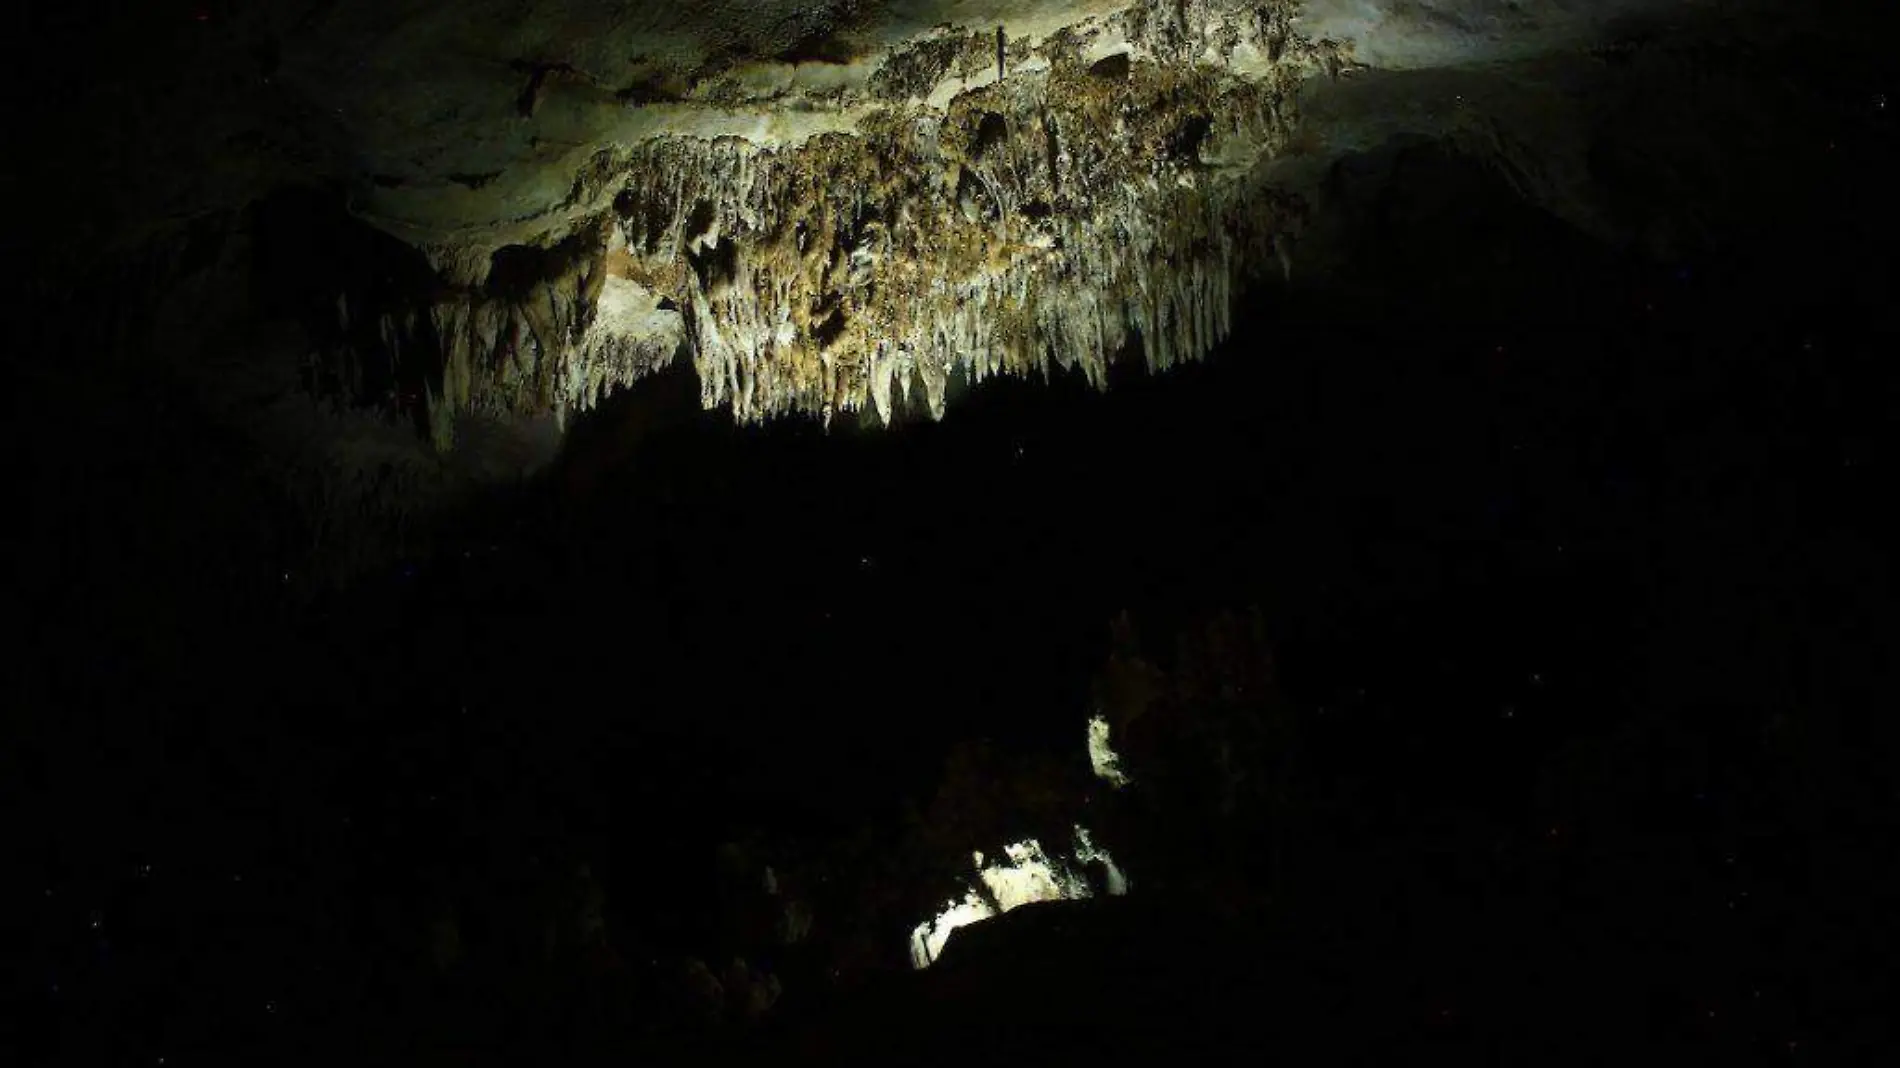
978 203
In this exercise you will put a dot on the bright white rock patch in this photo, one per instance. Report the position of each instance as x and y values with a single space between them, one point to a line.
1027 875
1102 757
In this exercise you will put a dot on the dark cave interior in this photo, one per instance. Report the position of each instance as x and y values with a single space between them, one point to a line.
1554 569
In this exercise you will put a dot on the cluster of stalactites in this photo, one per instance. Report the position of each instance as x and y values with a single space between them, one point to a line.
866 273
1053 220
772 334
562 349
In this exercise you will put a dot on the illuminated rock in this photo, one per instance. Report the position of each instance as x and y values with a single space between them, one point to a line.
830 207
926 941
1086 852
1026 875
1103 759
856 239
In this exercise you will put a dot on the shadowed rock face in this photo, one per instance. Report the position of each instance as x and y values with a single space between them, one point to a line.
830 207
840 207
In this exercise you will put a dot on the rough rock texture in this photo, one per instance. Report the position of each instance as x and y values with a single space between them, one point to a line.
970 205
837 207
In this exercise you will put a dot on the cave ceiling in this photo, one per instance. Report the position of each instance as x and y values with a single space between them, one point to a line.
839 207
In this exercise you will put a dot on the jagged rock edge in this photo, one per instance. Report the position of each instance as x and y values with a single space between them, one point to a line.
1150 243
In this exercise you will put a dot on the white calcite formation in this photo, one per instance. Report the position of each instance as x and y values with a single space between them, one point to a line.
1103 760
1024 876
967 204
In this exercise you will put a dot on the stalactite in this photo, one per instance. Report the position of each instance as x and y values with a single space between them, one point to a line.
1043 219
